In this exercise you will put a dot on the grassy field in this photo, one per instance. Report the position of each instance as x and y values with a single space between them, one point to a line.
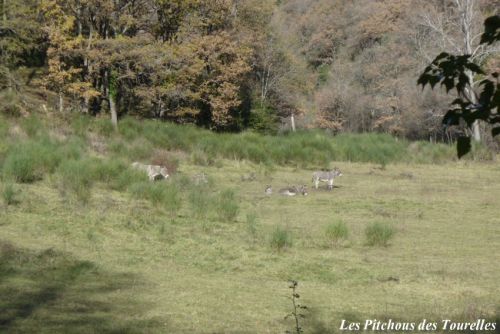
113 260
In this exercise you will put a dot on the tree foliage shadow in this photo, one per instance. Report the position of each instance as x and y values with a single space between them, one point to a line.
52 292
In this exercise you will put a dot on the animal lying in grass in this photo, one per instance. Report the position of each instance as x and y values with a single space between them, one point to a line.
155 172
326 176
292 191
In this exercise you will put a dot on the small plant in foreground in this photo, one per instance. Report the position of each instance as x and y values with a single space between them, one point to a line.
336 232
379 234
297 308
281 239
9 194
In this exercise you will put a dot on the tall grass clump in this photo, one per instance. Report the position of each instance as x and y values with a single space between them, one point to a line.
200 202
227 206
30 161
379 234
281 238
9 194
32 125
252 224
76 178
160 194
336 233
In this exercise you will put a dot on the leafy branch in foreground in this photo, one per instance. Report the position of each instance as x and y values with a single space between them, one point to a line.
296 313
456 72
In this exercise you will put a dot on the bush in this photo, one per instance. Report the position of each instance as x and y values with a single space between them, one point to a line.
336 232
76 176
379 234
228 207
281 238
30 161
9 194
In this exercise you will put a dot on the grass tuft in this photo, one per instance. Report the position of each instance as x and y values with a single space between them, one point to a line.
76 177
227 206
281 238
379 234
9 194
336 233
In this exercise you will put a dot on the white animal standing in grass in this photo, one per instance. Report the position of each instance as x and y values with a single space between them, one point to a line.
326 176
155 172
292 191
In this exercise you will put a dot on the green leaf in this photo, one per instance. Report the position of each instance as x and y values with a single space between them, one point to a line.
491 30
463 146
451 118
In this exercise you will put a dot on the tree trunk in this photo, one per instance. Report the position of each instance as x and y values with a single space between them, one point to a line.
112 110
466 8
61 102
292 120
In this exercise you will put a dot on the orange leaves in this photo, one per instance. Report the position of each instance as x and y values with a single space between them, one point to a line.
225 64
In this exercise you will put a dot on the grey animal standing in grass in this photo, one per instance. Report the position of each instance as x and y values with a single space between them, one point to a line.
155 172
292 191
269 190
326 176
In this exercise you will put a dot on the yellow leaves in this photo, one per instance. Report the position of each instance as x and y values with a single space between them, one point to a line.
225 64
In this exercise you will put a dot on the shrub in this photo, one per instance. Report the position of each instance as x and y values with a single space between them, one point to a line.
9 194
29 161
379 234
281 238
336 232
76 176
228 207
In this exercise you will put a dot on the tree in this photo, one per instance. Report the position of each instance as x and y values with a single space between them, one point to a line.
456 29
453 72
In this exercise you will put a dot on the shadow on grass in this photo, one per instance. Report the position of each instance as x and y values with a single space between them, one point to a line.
51 292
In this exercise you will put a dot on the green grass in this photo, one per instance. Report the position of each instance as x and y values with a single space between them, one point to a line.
128 262
379 234
9 194
303 148
280 239
336 233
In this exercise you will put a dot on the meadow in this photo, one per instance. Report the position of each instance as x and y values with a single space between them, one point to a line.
88 245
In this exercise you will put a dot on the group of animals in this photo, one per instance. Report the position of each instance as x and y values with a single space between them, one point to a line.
156 172
319 176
